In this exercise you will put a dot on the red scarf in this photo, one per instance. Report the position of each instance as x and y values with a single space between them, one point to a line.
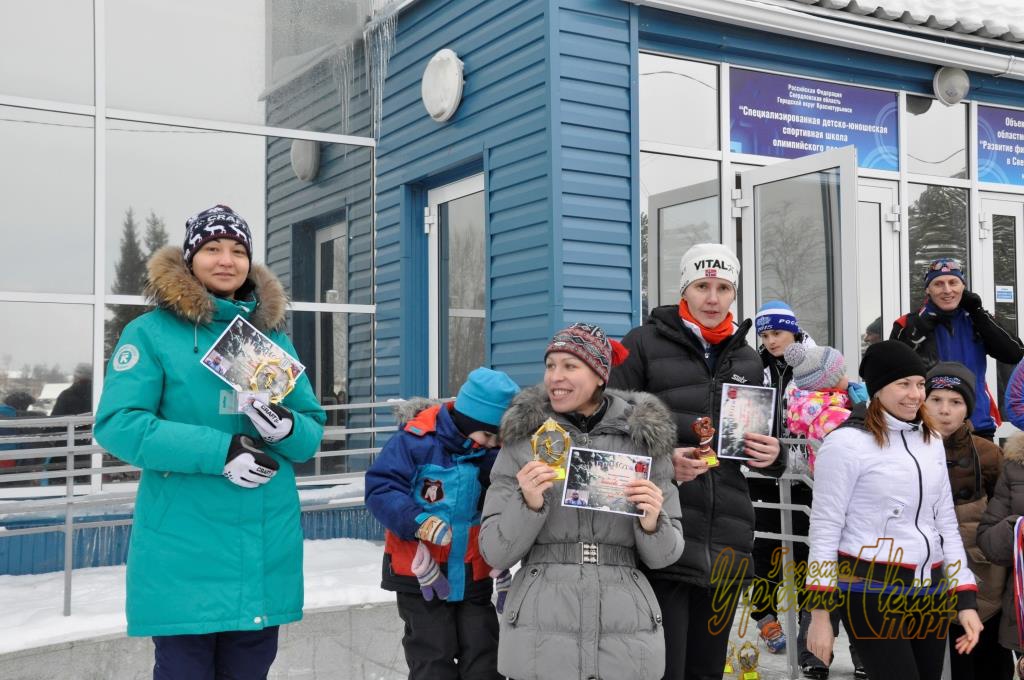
713 335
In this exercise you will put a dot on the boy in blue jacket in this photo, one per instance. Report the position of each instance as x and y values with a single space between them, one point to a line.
426 487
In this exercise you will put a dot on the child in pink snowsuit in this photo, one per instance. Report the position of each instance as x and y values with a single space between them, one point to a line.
820 395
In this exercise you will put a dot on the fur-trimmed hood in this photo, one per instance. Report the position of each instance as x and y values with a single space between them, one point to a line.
649 423
1013 449
173 287
404 411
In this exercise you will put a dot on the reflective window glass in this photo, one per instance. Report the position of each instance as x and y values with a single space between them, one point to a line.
869 273
462 284
1004 269
678 102
289 63
158 176
938 228
337 350
46 50
936 137
679 206
46 216
796 220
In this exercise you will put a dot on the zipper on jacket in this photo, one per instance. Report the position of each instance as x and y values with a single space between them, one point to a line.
920 501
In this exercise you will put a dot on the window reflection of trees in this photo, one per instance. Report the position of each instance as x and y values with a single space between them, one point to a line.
796 249
463 268
938 228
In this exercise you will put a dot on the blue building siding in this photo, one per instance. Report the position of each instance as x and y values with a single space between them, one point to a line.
597 223
500 129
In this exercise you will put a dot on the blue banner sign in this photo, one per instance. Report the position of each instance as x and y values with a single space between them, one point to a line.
1000 145
790 117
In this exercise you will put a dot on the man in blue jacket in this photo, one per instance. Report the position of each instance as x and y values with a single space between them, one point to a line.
953 326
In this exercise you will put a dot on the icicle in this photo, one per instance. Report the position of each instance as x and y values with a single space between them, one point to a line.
378 45
341 70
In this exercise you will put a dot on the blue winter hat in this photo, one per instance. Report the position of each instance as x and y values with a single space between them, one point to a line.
776 315
944 266
483 398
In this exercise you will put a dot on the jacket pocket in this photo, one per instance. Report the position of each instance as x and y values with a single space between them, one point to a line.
647 593
520 590
892 509
155 513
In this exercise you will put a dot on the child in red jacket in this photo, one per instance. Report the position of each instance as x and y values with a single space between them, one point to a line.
426 487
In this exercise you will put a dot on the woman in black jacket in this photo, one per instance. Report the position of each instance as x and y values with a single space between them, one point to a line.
684 354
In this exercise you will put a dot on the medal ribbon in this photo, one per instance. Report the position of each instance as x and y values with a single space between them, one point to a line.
1018 576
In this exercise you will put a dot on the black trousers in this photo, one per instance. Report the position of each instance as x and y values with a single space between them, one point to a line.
692 652
234 655
907 642
987 661
449 640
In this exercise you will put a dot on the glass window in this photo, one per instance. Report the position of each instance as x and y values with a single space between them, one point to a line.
796 219
936 137
678 102
869 272
46 50
337 350
46 216
158 176
679 203
43 373
462 285
289 63
938 228
1004 249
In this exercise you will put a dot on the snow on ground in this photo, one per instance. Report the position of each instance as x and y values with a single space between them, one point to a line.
340 571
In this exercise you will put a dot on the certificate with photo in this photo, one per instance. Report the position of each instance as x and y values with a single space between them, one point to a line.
596 480
253 364
745 408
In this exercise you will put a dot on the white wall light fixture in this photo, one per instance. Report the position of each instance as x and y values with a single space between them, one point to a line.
305 157
441 85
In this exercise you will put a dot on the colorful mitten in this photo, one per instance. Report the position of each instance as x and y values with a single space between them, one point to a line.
432 581
502 582
434 530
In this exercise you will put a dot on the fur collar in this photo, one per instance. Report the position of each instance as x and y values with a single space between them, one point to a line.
173 287
649 423
1014 448
404 411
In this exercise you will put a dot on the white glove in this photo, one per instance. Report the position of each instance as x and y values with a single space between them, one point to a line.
246 465
273 422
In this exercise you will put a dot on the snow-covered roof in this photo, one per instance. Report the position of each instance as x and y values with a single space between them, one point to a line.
994 19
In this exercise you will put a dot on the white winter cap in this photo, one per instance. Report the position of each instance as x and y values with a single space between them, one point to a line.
708 261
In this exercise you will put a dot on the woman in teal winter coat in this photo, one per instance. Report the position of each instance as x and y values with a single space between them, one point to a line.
215 561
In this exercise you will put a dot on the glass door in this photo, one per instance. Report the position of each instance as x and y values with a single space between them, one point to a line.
1000 224
458 283
877 263
799 244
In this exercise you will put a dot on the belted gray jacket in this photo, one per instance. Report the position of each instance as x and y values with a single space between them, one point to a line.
565 619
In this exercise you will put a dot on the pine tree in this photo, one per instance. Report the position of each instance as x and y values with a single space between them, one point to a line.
130 279
156 234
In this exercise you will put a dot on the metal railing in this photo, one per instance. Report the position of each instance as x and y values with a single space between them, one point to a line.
49 450
29 491
796 471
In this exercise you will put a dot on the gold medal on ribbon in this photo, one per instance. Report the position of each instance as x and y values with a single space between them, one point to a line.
550 443
747 658
271 376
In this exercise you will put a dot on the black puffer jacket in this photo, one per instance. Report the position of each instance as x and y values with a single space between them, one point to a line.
667 360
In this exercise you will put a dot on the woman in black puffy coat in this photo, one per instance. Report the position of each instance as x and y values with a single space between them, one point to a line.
684 355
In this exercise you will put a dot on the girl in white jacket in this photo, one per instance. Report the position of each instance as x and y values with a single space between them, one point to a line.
885 548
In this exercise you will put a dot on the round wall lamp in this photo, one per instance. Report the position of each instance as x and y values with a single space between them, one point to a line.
951 84
441 85
305 159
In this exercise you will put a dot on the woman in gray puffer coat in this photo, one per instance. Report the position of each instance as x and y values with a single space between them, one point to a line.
579 607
